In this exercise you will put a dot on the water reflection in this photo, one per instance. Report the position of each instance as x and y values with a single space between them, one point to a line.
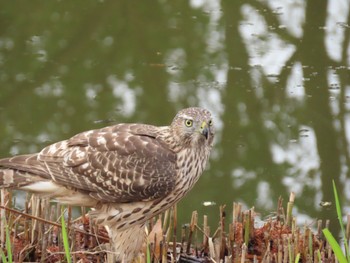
274 73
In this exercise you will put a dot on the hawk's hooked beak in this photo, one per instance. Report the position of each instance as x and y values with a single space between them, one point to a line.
204 130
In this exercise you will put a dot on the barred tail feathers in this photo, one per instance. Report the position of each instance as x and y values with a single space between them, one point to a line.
21 170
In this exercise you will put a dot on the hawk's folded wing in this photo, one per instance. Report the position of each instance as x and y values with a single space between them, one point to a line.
121 163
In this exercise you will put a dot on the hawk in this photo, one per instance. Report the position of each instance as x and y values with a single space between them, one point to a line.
128 172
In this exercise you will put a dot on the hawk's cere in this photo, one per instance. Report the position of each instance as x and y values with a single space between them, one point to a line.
127 172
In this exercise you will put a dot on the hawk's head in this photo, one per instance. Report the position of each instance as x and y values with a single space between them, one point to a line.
193 127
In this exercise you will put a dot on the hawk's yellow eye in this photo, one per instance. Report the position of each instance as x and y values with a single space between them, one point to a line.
188 123
210 123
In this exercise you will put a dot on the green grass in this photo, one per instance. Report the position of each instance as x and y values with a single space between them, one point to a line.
330 238
8 246
297 258
148 253
335 246
65 238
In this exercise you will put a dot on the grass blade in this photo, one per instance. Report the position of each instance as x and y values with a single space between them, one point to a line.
65 238
339 215
3 257
334 245
8 245
297 258
319 255
337 203
148 253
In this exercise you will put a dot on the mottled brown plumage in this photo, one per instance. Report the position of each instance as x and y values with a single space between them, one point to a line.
127 172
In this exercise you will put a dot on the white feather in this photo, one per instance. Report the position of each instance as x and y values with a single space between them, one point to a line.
42 187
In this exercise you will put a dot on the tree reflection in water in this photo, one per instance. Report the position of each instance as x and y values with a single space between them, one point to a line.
275 73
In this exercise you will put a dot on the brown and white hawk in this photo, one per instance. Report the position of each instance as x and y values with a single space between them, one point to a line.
127 172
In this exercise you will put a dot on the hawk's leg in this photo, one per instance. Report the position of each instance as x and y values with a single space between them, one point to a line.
129 240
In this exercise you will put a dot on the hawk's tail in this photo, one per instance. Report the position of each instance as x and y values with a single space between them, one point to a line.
21 170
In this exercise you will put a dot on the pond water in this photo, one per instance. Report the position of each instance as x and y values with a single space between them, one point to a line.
274 73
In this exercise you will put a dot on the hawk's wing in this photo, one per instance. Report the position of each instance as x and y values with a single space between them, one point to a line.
120 163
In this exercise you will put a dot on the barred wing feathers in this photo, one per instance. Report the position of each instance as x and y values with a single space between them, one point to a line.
121 163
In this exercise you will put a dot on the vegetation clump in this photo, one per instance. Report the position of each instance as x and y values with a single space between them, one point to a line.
35 235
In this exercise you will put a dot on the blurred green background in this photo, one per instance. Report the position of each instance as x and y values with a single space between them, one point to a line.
275 74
